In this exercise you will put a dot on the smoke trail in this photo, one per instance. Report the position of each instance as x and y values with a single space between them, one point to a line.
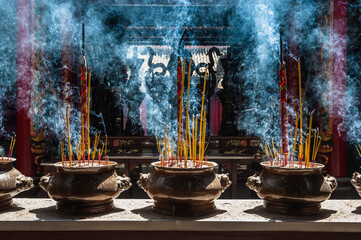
8 66
120 49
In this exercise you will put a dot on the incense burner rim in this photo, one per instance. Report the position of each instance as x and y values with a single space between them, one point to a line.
210 165
7 160
60 167
316 166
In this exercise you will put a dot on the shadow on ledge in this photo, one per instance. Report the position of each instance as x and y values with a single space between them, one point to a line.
50 213
13 208
326 213
357 210
148 213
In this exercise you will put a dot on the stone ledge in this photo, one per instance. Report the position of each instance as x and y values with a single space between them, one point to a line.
29 214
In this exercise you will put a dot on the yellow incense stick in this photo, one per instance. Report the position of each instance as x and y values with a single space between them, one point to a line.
187 111
82 133
165 140
68 132
273 147
295 139
193 128
88 111
205 149
195 139
317 146
12 145
200 123
189 140
300 154
185 152
62 152
96 140
309 140
270 153
204 135
315 137
101 152
106 144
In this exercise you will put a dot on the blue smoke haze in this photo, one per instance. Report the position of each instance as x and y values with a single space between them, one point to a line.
118 64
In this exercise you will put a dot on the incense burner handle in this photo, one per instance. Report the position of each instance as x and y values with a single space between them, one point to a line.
224 179
24 183
331 181
124 182
44 182
254 183
143 181
356 182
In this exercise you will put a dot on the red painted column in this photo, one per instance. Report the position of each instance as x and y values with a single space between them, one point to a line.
25 68
337 164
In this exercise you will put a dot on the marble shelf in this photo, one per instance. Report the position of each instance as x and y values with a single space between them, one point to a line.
37 215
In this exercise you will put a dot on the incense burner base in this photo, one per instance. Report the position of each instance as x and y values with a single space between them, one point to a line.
292 191
356 182
184 192
85 190
12 182
184 210
85 207
6 202
292 209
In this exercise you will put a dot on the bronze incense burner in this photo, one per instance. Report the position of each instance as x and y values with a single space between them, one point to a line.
356 182
184 192
12 182
86 189
292 191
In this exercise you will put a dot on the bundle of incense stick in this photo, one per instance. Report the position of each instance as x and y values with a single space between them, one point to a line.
11 148
80 150
277 156
83 146
190 147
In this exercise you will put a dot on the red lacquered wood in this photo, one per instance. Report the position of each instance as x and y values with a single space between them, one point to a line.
25 65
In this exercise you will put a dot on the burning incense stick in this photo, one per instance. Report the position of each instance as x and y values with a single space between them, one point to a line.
88 118
187 111
96 140
203 136
158 145
295 139
194 137
314 144
62 152
200 123
68 132
82 141
309 141
101 152
12 144
300 154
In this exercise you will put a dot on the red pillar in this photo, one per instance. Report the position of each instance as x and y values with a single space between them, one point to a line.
337 164
25 68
